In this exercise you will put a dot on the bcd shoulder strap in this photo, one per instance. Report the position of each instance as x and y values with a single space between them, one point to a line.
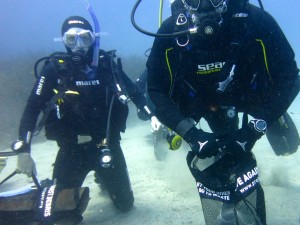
59 59
113 71
64 70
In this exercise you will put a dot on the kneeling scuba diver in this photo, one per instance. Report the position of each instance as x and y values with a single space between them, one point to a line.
61 91
44 202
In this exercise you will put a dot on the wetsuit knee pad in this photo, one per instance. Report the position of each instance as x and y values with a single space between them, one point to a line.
119 190
123 202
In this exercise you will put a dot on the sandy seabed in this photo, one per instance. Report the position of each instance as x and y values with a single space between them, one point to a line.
165 192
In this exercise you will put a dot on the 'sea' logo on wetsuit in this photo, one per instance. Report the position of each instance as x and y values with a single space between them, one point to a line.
210 67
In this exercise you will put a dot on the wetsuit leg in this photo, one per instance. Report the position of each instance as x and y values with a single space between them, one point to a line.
71 165
116 179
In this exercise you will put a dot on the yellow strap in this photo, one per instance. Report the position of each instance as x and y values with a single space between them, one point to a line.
170 70
265 56
67 92
61 100
72 92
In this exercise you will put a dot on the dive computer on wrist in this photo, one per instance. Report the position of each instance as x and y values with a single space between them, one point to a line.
259 125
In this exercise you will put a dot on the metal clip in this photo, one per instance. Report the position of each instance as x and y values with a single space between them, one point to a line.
224 84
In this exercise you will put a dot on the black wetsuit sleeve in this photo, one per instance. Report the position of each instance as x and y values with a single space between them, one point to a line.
141 82
40 94
135 95
283 71
120 84
159 81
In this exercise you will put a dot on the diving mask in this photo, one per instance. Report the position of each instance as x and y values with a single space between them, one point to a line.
77 37
203 5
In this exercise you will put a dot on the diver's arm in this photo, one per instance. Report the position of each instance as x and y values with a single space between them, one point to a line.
40 94
159 85
37 100
282 69
166 111
136 96
141 82
276 73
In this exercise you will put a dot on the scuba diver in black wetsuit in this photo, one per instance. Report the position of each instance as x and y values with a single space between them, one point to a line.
282 135
82 94
213 59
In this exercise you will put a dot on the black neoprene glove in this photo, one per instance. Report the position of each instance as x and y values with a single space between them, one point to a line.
243 140
203 144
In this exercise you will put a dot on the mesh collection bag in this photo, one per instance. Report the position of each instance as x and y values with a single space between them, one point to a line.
229 190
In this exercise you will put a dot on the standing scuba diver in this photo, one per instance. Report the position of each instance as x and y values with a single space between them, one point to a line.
213 59
82 94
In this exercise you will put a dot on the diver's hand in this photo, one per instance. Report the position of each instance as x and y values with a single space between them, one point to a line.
203 144
155 124
244 139
26 164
